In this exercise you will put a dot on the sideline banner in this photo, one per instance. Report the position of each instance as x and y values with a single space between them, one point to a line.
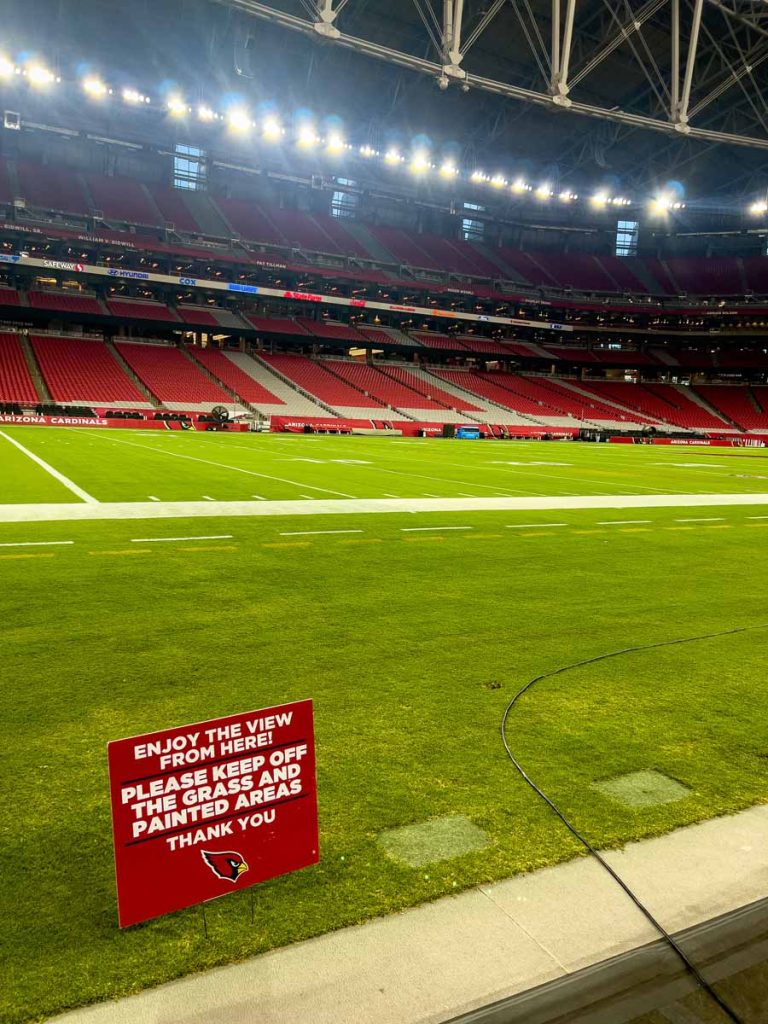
737 441
201 810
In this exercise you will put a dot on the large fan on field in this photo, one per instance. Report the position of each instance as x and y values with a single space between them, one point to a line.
221 413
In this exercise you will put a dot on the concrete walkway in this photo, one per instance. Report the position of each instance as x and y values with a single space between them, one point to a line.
435 961
356 506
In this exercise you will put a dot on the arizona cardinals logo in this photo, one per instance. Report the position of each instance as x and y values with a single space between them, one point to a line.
227 864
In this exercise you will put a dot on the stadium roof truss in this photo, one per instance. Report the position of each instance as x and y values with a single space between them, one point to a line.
688 68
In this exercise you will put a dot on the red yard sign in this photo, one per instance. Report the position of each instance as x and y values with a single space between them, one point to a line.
205 809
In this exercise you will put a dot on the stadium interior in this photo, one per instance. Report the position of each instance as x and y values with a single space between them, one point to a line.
227 222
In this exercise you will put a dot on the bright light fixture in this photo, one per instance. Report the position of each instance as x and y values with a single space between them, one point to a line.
306 137
518 185
271 129
367 151
477 176
39 76
599 199
335 143
567 197
205 114
759 207
543 191
7 67
392 156
132 96
448 170
498 181
238 120
176 106
420 162
661 203
94 87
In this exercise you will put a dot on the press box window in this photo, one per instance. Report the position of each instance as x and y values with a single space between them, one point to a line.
189 167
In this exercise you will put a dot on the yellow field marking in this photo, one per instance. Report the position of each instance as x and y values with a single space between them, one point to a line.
126 551
422 540
369 540
720 526
537 533
46 555
290 544
758 525
636 529
678 527
213 547
587 533
484 536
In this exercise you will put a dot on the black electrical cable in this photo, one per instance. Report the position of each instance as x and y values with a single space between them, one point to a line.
691 967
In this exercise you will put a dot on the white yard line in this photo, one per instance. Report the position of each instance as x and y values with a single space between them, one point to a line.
167 540
315 533
62 512
207 497
222 465
714 519
533 526
623 522
35 543
69 484
426 529
152 497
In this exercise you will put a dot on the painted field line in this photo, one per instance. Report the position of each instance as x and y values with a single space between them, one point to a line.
35 543
258 497
315 533
757 517
69 484
623 522
207 497
712 519
534 526
221 465
152 497
429 529
7 558
168 540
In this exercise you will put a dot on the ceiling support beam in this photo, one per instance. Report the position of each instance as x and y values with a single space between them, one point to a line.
561 52
435 70
675 58
680 116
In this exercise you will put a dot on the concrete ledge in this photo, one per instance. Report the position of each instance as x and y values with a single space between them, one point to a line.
461 953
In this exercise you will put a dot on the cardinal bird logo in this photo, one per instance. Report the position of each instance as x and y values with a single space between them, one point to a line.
227 864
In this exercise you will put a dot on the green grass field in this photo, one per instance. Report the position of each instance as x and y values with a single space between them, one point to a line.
411 642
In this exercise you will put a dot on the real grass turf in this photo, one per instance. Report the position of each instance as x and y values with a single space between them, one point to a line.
128 465
411 649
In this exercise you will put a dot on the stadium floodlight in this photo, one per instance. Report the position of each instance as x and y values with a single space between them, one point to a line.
307 137
519 185
759 207
600 199
448 170
176 106
568 197
392 156
661 203
132 96
544 191
7 67
39 76
420 162
335 143
271 129
94 87
478 176
498 181
367 151
238 120
205 113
